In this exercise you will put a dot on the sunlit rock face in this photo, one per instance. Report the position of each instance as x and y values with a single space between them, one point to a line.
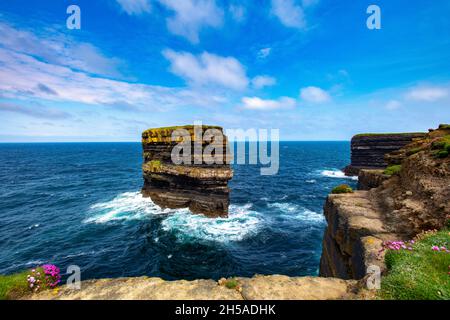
389 208
200 182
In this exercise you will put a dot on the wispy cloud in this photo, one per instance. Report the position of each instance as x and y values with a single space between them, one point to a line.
255 103
393 104
135 7
264 53
429 94
56 48
190 16
260 82
289 13
34 110
207 68
23 76
314 95
237 12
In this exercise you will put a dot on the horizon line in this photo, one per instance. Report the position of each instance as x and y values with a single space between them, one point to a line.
48 142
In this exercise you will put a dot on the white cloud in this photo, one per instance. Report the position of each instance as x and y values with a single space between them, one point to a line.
237 12
260 82
135 6
255 103
428 94
393 104
264 53
56 48
314 95
208 69
190 16
23 77
289 13
53 67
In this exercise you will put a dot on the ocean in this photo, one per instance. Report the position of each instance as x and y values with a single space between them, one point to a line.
80 204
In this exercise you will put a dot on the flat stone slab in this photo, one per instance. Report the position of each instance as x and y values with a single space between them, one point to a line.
257 288
278 287
142 288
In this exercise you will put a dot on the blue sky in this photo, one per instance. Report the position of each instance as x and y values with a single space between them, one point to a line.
310 68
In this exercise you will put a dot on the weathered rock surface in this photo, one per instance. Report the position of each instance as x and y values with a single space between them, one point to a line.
259 287
395 208
368 179
198 183
277 287
368 150
353 237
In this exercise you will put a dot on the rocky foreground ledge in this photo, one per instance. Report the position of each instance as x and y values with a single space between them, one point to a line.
274 287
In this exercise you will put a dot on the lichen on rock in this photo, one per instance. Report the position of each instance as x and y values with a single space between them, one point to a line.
197 183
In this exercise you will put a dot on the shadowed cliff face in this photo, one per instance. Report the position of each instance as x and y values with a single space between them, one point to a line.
368 150
197 183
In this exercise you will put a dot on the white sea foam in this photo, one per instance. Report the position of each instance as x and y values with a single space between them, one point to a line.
126 206
293 211
336 174
285 206
242 222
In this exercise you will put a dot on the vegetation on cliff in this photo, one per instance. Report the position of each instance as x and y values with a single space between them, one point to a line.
419 272
35 280
343 188
394 169
14 285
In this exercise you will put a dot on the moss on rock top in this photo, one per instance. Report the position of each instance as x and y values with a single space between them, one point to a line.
164 134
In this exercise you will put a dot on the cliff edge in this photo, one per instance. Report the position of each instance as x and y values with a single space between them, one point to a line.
368 149
410 196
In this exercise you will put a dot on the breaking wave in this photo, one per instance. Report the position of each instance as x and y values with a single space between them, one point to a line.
293 211
336 174
126 206
241 223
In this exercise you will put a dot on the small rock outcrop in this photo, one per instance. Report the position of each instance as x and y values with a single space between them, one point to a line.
413 199
368 150
371 178
197 183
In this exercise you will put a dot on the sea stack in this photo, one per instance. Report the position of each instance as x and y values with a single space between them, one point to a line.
199 183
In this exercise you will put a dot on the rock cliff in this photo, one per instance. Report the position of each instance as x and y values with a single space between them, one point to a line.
414 199
200 181
368 150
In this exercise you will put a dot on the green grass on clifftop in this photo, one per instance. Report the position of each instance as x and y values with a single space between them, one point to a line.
343 188
394 169
14 285
419 274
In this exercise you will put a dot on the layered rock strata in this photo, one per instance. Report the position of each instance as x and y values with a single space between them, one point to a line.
368 150
200 182
397 208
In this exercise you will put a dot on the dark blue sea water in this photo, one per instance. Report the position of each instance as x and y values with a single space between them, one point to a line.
79 203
